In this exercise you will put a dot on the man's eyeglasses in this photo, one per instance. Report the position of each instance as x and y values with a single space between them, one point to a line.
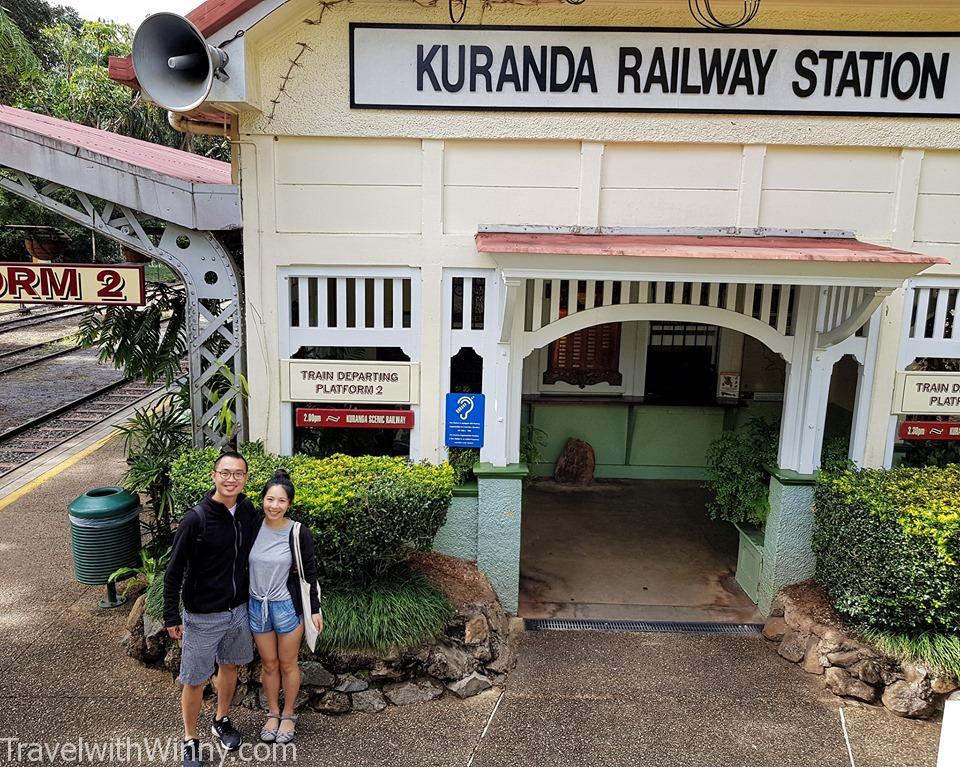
228 474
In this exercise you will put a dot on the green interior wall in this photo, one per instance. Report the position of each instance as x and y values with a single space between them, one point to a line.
637 441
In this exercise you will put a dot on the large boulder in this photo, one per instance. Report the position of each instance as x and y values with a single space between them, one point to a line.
417 691
909 699
576 464
839 682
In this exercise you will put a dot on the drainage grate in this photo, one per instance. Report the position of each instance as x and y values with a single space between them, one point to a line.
657 627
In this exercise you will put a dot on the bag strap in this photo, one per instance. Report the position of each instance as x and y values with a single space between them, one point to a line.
296 550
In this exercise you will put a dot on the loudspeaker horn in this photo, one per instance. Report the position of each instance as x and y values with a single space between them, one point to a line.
174 63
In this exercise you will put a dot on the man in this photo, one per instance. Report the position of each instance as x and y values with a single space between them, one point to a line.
209 561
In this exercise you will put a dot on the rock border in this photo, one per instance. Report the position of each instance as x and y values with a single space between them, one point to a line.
851 668
474 652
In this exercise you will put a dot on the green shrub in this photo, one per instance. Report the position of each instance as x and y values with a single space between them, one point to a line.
939 652
400 609
735 472
366 512
462 460
888 546
154 602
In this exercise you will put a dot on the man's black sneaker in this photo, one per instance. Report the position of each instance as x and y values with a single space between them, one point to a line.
191 753
226 733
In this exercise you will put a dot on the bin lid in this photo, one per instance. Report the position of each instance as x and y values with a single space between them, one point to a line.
103 503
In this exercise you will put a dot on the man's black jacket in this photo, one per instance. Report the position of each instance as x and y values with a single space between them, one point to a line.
209 559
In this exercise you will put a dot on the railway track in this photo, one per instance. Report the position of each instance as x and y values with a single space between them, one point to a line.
34 438
18 323
24 356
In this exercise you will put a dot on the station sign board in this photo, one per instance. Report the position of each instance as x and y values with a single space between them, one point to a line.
922 393
611 69
350 382
464 420
939 430
99 284
344 418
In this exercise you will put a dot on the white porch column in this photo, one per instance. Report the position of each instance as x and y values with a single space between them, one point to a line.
861 406
502 445
880 425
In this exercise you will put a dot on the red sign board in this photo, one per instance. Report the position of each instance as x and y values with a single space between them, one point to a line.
100 284
345 418
930 430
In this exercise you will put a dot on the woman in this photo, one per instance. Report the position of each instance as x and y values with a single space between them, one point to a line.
276 612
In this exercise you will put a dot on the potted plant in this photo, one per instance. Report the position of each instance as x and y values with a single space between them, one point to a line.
740 483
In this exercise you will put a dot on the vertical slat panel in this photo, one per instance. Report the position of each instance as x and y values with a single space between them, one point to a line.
923 304
730 296
748 293
360 302
851 302
838 307
766 297
661 293
696 289
954 306
397 284
341 302
940 321
304 303
572 290
713 297
607 292
783 306
643 292
591 294
625 292
537 318
554 300
323 301
378 306
677 297
467 303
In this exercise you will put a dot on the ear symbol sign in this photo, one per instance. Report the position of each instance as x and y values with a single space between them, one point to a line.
465 406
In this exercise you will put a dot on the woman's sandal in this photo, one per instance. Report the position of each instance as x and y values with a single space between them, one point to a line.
286 737
269 734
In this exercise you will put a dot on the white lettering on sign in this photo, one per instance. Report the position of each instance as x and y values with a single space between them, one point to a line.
662 70
334 381
919 393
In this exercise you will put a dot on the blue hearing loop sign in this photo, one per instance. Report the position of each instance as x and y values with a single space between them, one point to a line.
464 420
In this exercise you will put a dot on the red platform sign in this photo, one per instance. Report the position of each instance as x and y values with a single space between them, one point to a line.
345 418
944 430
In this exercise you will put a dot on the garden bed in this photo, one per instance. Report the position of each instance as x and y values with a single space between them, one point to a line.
473 652
808 631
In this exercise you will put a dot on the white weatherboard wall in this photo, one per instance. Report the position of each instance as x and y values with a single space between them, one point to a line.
327 186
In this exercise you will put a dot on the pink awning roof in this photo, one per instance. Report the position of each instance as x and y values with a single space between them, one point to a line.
839 250
143 154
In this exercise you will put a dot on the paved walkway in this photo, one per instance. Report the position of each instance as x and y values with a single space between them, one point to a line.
575 699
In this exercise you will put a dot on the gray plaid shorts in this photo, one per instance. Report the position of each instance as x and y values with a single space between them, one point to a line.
214 638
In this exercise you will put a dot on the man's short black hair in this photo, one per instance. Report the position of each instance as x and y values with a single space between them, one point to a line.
230 454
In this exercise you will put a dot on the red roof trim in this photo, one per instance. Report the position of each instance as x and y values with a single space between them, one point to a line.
736 248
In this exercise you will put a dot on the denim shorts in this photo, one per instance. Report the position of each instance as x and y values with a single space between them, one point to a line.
272 616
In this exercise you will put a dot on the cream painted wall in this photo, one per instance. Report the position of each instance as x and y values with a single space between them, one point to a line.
323 185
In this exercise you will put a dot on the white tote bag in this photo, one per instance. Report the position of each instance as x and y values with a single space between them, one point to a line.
309 630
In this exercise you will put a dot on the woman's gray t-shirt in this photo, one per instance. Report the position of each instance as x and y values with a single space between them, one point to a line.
270 563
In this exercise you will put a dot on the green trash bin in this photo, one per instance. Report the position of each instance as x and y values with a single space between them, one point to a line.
104 536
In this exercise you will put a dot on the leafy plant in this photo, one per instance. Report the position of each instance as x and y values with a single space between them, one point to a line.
887 544
154 602
462 460
154 437
366 513
532 441
735 471
150 567
400 609
939 652
135 338
834 456
227 388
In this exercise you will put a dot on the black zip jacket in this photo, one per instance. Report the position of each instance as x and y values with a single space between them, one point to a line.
309 568
209 559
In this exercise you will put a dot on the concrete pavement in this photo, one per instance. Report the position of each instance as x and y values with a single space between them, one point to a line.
575 698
